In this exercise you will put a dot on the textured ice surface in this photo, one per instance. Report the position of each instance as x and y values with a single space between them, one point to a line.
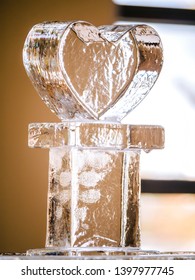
84 72
93 198
96 135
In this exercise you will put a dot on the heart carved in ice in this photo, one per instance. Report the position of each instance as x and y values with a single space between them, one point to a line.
98 73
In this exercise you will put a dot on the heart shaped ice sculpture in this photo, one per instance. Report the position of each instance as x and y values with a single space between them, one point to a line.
83 72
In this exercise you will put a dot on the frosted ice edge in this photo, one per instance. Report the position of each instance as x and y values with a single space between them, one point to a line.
96 135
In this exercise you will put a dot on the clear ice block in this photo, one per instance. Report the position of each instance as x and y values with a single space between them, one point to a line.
93 198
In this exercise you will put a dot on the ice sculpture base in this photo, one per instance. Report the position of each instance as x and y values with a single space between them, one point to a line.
136 255
94 185
90 251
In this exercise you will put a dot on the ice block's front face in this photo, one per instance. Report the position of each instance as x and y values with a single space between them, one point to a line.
93 198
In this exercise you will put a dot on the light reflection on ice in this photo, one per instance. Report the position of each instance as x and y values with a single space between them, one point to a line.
171 104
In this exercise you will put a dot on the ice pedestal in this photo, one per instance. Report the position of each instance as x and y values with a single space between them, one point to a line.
94 184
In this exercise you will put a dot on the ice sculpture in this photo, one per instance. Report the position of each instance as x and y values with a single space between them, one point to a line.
91 78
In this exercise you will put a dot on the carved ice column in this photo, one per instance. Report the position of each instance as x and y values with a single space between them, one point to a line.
92 78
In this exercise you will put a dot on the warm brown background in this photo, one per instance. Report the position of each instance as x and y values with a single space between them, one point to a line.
23 183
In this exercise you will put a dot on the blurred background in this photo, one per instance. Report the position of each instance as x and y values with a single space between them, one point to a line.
168 199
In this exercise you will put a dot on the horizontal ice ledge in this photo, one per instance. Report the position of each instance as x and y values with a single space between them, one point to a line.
96 135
